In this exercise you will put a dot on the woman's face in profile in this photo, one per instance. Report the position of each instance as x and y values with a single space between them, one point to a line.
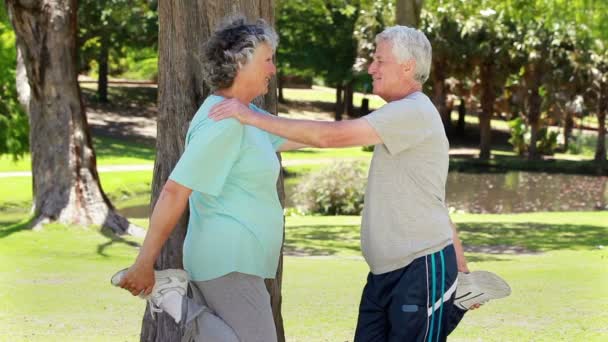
256 74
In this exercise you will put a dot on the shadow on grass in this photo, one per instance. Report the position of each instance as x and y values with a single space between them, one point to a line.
110 147
511 237
113 239
10 227
488 241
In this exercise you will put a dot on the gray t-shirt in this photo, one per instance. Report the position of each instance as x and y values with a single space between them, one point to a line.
405 216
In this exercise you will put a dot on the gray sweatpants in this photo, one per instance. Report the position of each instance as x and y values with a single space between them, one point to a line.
235 307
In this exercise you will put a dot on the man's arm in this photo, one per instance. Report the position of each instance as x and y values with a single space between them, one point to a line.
356 132
289 145
461 260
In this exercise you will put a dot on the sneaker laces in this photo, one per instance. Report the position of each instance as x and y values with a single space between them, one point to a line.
155 303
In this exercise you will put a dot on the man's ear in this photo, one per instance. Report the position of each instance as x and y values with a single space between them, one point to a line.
409 66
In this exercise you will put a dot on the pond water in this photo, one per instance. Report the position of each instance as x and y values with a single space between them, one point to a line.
515 192
511 192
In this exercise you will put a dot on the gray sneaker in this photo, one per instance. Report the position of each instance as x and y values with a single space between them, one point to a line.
478 287
170 287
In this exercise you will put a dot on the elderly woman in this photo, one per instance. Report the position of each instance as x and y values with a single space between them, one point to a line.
228 173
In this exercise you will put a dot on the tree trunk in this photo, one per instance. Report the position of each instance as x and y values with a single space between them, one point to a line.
408 12
280 86
339 102
534 103
440 94
600 150
488 96
102 80
568 126
64 172
349 106
462 112
184 26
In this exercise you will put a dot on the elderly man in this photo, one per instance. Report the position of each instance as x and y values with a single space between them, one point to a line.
407 237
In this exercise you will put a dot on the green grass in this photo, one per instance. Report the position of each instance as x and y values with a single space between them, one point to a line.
325 94
327 153
16 192
55 287
109 152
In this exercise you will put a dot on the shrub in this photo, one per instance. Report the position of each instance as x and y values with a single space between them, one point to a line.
335 190
520 138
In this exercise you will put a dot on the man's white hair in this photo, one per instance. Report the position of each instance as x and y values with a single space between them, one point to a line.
410 44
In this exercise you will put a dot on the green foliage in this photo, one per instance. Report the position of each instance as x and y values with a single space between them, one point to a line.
335 190
14 126
316 38
139 64
114 25
518 130
520 138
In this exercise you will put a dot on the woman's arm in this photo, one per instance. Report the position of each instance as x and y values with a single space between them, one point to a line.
170 206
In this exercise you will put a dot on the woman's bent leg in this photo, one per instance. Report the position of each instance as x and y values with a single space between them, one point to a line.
242 301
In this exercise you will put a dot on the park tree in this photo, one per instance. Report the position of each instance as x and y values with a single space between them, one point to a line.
443 28
184 26
597 97
13 119
107 26
64 173
340 51
300 23
408 12
489 36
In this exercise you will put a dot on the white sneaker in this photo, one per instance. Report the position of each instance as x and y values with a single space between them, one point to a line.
170 287
478 287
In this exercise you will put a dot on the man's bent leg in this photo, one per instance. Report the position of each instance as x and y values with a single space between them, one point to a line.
422 301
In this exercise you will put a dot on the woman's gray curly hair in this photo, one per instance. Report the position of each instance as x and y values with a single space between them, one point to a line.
231 46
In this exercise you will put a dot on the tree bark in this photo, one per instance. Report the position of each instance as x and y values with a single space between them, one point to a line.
64 172
102 78
488 96
600 150
568 126
408 12
339 102
349 106
440 94
462 112
534 103
184 25
280 87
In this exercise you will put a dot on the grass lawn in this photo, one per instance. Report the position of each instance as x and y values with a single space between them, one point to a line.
16 192
54 283
109 152
326 94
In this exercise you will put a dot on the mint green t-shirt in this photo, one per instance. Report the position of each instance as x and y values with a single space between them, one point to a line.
236 219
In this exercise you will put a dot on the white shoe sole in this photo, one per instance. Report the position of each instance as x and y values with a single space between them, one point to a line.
479 287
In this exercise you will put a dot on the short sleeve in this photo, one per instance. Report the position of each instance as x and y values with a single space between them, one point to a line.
211 151
275 140
400 124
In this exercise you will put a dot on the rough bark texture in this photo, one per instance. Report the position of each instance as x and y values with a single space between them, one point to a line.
408 12
183 28
488 96
65 181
